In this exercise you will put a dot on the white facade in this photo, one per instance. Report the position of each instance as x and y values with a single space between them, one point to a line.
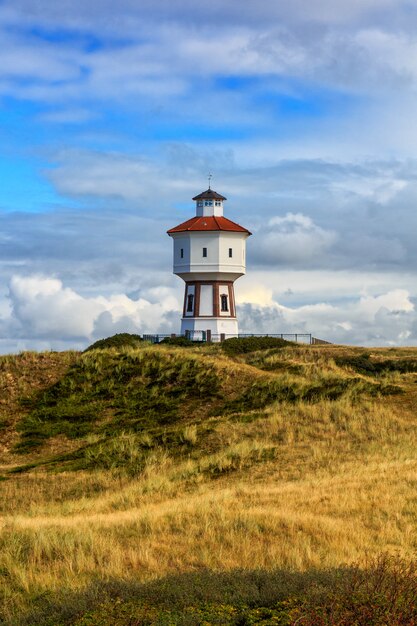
209 207
206 300
209 255
217 326
225 254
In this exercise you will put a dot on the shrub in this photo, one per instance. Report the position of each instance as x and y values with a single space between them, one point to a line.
178 341
363 364
123 452
120 340
384 592
242 345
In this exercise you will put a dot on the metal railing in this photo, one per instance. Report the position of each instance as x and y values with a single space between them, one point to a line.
157 338
204 336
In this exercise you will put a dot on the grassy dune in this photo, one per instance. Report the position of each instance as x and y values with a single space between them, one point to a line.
189 486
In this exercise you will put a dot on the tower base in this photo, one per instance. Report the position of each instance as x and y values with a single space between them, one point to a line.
217 325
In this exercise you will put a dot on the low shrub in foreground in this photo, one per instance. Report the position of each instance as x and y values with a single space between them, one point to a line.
382 593
242 345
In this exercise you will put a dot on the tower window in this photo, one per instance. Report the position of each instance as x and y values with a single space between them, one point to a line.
182 253
200 203
223 302
230 252
204 252
217 203
208 203
190 303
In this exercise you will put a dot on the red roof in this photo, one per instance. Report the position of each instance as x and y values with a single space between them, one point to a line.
208 223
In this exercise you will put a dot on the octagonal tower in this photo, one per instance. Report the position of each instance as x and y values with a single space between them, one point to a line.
209 255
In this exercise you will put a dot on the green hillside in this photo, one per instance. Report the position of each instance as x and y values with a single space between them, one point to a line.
239 483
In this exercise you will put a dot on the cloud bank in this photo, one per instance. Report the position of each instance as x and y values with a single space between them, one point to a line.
45 314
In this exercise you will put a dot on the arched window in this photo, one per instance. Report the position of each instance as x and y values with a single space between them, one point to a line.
224 303
190 303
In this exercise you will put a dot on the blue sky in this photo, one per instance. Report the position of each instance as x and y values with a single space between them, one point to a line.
111 117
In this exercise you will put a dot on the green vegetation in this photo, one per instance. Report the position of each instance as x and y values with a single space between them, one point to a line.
178 341
107 392
120 340
363 364
384 592
182 485
243 345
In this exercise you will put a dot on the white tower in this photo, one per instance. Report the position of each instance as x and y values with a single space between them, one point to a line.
209 255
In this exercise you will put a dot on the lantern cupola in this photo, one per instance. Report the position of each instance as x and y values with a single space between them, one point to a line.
209 203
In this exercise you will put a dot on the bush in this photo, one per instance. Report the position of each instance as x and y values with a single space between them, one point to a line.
363 364
242 345
360 363
120 340
178 341
384 592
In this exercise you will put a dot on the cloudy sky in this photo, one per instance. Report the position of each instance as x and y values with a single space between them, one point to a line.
112 115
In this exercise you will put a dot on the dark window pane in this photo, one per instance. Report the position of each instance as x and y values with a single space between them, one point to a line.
230 252
190 303
204 251
224 303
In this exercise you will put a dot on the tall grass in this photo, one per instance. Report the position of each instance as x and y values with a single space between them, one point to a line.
298 467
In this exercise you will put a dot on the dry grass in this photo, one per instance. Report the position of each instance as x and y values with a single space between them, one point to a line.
295 486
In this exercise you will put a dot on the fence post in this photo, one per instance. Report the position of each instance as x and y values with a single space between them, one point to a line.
208 335
173 335
222 337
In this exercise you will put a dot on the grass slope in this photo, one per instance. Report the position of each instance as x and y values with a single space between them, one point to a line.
257 476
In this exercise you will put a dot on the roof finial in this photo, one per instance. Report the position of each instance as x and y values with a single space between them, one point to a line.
210 176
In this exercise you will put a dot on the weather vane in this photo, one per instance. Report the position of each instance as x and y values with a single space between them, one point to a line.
210 176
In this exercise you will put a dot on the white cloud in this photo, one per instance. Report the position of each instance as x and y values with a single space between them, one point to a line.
291 239
387 319
43 309
153 54
130 14
46 314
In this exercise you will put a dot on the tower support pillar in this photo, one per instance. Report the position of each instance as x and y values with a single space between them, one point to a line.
209 305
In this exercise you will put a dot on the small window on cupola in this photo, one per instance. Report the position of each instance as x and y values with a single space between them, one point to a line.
182 253
204 252
230 253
